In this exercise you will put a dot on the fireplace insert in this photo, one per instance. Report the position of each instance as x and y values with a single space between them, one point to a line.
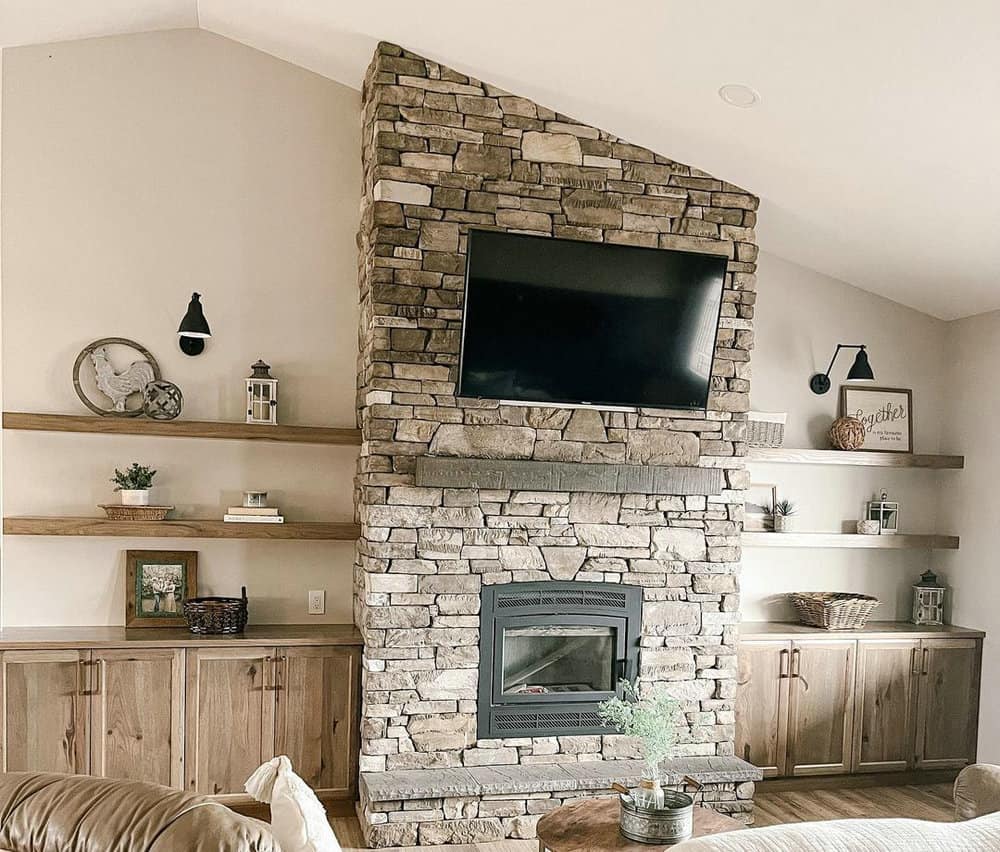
550 653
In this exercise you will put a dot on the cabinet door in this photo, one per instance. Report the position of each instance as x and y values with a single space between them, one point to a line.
885 705
821 707
136 716
229 728
45 711
948 703
316 715
762 704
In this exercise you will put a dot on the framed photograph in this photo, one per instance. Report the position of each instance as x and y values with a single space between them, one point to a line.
887 415
157 584
760 501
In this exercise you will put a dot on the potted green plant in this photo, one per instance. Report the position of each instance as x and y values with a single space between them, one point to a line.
133 484
782 514
653 720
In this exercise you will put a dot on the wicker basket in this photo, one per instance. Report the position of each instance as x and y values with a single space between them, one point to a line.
766 429
118 512
217 615
833 610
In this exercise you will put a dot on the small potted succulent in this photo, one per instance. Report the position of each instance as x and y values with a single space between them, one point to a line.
133 484
782 515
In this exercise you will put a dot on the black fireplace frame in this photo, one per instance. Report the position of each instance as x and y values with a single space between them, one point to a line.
510 604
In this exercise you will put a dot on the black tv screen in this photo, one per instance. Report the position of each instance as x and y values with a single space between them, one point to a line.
563 321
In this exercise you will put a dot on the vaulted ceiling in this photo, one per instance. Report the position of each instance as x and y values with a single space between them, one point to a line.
875 146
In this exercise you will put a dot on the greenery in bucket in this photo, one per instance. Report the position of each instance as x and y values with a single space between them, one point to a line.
138 477
653 720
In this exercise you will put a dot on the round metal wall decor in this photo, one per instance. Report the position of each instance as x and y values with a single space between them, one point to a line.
117 387
162 400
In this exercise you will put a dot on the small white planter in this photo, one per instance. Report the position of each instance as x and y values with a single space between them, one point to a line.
783 523
135 497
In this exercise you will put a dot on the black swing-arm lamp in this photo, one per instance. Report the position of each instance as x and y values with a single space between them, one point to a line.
860 371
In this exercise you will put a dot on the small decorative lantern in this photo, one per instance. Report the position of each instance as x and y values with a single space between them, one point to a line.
886 512
928 600
262 395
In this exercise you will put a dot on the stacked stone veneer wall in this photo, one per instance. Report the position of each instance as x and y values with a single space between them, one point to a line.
443 153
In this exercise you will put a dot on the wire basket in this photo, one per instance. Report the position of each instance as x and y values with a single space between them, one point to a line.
118 512
217 615
833 610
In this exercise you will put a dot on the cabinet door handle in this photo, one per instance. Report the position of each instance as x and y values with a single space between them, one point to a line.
83 678
924 665
265 669
796 662
783 664
914 668
279 672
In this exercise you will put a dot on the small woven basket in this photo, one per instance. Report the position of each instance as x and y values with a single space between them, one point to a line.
216 615
118 512
766 429
833 610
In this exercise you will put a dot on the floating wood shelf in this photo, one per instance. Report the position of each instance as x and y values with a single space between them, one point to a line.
179 428
807 539
859 459
301 531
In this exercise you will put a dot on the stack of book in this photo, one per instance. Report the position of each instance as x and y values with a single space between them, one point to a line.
244 515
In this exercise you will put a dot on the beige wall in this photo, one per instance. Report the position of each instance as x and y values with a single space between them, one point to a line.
800 317
969 502
136 169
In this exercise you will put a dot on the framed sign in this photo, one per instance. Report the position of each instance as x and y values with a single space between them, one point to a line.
886 413
158 583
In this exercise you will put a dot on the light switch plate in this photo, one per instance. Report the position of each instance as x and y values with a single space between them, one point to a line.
317 602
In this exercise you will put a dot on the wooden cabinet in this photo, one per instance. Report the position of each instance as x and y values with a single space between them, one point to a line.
885 705
947 703
821 706
137 715
188 712
45 711
762 705
316 715
230 717
246 705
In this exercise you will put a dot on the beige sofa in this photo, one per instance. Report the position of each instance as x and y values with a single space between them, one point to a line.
977 806
46 812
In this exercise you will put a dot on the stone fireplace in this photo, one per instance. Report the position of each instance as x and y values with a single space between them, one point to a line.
601 543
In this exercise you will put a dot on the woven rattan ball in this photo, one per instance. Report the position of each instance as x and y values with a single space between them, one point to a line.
847 433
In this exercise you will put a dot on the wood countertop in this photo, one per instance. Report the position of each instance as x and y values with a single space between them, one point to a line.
174 637
872 630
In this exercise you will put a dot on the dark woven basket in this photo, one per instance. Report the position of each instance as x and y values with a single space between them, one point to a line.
217 615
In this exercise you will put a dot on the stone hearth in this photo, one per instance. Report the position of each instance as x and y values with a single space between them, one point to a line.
659 505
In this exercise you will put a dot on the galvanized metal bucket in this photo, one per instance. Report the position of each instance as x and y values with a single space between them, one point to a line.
663 826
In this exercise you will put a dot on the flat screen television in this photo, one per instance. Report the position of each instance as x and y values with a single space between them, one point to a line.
562 321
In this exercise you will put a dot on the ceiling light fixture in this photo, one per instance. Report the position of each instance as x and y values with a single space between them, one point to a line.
738 95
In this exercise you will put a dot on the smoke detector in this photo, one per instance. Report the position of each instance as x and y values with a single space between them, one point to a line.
739 95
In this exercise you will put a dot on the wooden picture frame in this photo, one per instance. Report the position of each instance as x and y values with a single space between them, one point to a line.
887 415
176 575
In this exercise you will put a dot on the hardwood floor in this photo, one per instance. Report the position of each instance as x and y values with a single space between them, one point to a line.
931 802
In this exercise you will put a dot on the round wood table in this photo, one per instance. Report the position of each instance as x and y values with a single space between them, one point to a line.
591 825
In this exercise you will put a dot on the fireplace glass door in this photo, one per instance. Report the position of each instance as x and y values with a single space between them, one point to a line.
558 659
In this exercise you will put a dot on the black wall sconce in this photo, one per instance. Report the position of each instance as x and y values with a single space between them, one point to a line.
193 330
860 371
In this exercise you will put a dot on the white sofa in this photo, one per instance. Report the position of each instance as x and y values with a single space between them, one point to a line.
977 805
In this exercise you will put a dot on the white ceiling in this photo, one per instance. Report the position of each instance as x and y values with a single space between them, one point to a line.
875 148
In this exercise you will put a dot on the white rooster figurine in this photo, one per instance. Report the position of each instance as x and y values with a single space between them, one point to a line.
118 387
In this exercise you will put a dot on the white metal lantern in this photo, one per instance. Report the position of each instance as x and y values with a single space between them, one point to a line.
262 395
886 512
928 600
